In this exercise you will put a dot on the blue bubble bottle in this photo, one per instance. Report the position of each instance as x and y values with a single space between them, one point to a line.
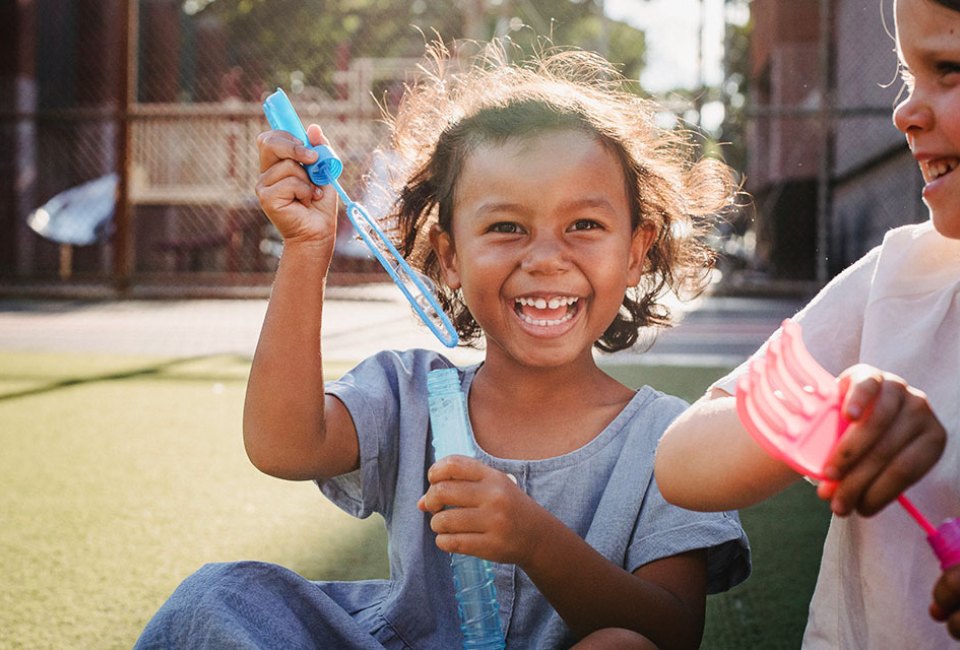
472 576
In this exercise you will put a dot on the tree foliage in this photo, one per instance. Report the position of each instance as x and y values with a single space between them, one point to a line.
273 39
734 92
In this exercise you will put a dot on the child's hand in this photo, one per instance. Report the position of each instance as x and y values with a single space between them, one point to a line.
479 511
299 209
893 440
946 600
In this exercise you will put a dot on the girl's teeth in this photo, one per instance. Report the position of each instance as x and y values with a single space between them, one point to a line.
545 323
543 303
553 304
937 168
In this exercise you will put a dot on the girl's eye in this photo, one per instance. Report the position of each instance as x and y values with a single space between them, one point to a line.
505 228
585 224
946 68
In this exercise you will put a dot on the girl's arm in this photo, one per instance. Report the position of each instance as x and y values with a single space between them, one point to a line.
289 429
479 511
707 461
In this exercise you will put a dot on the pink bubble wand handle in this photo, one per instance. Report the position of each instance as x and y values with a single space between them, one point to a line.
917 515
791 406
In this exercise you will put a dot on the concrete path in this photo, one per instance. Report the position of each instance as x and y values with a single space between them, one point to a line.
358 322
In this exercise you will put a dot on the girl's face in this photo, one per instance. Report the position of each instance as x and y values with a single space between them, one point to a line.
542 245
928 42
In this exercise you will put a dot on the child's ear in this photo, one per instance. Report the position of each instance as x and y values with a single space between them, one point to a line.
442 244
643 238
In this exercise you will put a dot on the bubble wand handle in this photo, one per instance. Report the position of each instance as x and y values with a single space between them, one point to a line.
475 591
918 517
283 117
418 289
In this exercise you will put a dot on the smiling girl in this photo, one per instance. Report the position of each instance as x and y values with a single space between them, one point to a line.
546 204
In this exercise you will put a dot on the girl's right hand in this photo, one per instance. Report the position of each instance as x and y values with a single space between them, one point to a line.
300 210
477 510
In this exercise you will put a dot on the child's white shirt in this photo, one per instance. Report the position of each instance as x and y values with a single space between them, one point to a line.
898 308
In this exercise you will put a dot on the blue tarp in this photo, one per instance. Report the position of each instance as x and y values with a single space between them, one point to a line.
81 216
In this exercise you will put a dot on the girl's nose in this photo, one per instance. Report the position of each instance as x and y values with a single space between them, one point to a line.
545 254
913 115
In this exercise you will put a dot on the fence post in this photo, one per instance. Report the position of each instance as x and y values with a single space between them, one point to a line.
827 115
123 239
23 247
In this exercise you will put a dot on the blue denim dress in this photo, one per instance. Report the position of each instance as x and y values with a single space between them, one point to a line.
604 491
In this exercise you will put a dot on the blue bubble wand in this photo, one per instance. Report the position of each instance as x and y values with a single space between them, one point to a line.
418 289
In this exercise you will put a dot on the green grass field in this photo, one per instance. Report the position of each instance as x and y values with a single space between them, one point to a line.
119 476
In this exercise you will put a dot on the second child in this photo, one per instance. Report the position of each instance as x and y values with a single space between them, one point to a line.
889 326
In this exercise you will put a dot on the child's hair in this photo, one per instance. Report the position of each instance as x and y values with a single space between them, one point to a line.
447 114
949 4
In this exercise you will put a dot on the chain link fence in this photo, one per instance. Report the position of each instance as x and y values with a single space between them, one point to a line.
159 102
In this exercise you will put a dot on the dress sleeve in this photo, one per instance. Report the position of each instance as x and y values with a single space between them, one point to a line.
387 400
368 391
662 529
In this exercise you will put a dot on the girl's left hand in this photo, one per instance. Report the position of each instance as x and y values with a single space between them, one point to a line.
893 441
480 511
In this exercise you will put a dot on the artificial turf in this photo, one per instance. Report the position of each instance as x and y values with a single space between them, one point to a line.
121 475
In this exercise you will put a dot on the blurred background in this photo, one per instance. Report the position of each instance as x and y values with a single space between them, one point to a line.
129 125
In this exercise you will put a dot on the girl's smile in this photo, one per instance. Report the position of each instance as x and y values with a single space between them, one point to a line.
934 169
546 312
938 177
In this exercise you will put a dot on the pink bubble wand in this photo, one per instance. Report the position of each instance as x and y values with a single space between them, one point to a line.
791 406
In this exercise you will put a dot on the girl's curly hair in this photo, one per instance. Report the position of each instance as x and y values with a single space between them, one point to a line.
949 4
448 112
